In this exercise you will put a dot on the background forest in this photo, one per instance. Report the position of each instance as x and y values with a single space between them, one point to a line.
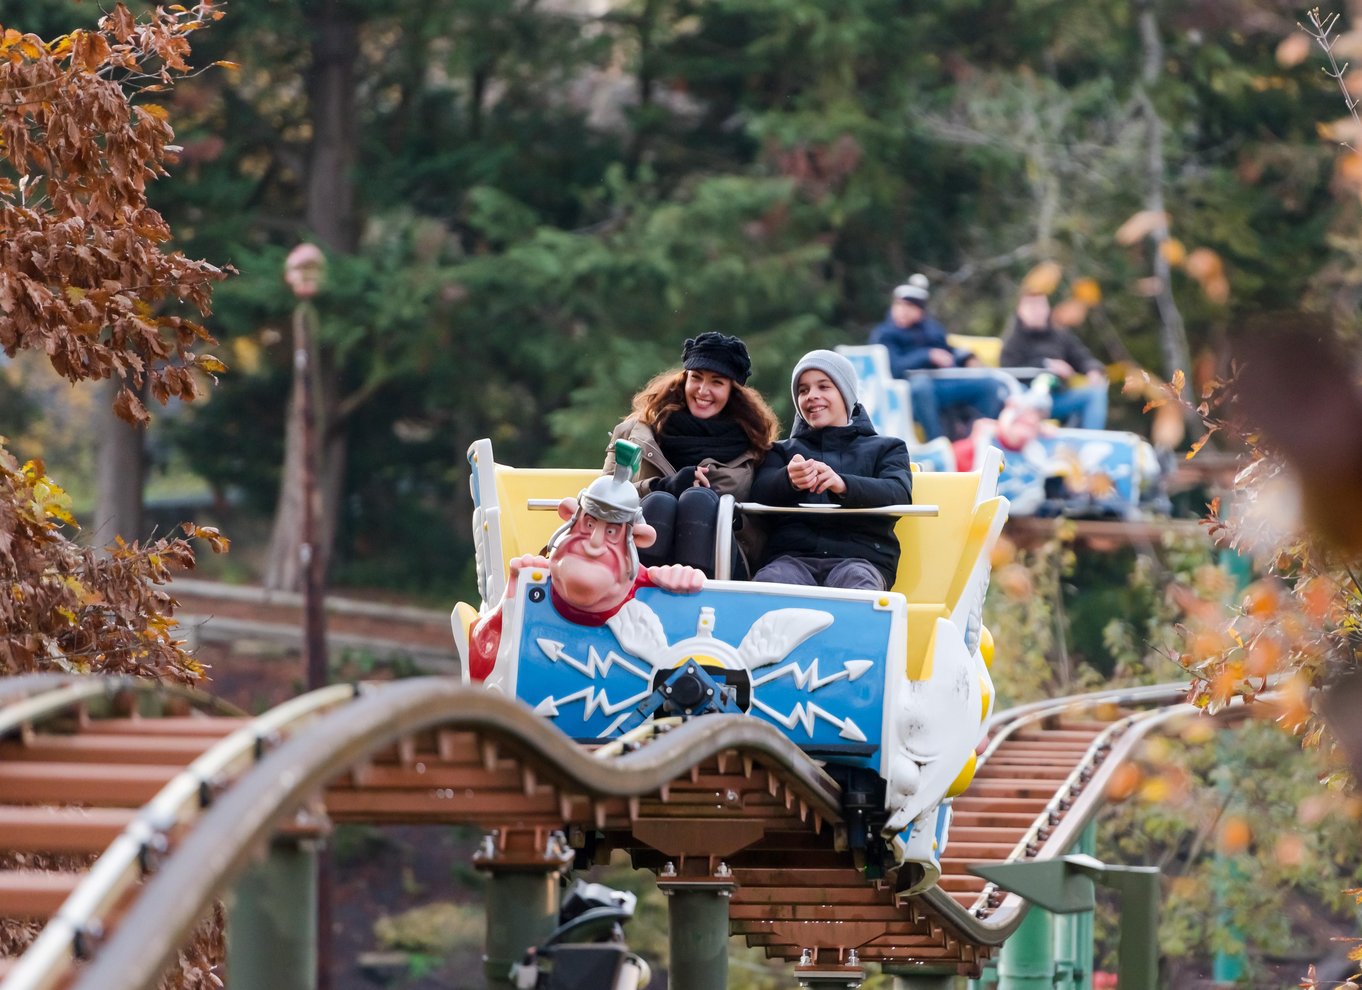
528 204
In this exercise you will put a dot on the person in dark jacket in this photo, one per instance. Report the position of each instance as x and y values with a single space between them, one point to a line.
917 342
1035 342
835 457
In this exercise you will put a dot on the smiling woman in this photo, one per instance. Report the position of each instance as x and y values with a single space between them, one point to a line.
702 432
833 457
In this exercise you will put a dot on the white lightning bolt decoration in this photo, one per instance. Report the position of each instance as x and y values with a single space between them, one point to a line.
809 678
594 664
805 715
595 700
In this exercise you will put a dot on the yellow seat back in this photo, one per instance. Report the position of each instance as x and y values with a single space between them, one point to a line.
932 545
525 530
988 350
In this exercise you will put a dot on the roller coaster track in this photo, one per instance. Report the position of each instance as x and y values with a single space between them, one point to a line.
77 762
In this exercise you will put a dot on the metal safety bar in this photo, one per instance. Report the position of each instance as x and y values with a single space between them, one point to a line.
821 508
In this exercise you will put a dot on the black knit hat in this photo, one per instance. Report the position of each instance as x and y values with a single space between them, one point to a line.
719 353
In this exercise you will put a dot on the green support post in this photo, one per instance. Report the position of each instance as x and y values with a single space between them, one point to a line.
1027 959
522 869
1065 886
1083 920
272 920
697 928
1138 951
921 978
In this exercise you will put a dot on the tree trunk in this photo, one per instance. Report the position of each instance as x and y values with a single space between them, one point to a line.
122 462
1172 332
331 219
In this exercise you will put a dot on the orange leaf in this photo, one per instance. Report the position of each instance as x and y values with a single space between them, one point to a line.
1087 291
1043 279
1140 226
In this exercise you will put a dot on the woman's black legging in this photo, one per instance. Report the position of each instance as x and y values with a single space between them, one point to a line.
686 530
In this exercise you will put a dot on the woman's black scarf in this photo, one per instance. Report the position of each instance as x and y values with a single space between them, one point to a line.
686 440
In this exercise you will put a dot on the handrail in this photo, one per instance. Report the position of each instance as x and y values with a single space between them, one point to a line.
46 960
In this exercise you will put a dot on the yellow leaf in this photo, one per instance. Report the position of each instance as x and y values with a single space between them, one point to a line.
156 110
1196 447
210 364
232 66
75 293
30 49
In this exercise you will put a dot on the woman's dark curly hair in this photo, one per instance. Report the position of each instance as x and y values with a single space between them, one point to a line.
666 393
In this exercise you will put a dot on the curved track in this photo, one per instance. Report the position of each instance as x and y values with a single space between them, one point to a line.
213 787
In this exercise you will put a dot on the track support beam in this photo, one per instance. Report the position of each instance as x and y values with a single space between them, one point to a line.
522 867
697 923
272 921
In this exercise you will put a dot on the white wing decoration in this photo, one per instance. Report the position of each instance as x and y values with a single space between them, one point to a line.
639 632
776 633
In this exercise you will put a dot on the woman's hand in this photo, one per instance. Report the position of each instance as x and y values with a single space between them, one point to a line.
701 479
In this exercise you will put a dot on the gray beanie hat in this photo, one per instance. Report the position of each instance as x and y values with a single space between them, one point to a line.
833 365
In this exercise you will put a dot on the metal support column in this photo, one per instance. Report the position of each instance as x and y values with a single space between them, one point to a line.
922 978
1140 891
1026 961
1083 920
1065 886
272 920
697 927
522 895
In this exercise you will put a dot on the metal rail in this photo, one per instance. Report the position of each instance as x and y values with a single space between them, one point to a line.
993 916
78 922
218 849
527 766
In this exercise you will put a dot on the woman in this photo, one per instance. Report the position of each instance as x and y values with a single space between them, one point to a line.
703 432
833 456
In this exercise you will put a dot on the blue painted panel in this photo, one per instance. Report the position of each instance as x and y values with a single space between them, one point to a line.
826 690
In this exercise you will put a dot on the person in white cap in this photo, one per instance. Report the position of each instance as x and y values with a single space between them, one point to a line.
917 342
833 456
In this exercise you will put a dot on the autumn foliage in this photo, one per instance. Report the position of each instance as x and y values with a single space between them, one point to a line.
87 278
84 264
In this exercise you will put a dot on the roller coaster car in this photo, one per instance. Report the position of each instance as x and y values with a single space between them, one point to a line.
1069 472
889 689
